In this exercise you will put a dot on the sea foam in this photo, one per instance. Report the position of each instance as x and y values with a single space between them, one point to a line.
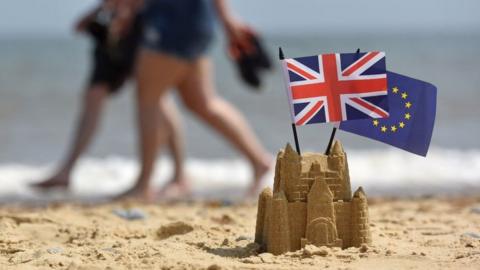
381 172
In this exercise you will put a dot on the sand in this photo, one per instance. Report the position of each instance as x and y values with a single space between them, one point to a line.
433 233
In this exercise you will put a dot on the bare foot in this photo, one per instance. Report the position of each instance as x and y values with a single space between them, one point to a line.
259 171
59 180
177 188
138 194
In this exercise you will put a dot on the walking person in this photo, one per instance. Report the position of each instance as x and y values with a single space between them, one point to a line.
177 35
114 57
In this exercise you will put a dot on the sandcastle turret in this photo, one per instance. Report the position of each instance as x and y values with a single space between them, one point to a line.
360 221
261 227
311 203
278 233
287 171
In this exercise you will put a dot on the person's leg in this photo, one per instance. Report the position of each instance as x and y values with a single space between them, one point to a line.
198 93
154 75
93 102
172 134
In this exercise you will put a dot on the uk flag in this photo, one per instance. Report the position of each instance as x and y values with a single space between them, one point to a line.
337 87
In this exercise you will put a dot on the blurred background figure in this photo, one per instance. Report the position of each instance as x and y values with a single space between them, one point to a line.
116 38
177 37
433 40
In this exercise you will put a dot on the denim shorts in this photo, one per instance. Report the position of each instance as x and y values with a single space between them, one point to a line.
182 28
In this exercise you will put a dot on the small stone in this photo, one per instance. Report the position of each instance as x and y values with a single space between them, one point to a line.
225 242
414 253
130 214
363 255
471 235
423 254
54 250
388 252
475 210
363 248
214 267
110 250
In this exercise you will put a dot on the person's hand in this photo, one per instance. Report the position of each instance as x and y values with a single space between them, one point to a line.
239 38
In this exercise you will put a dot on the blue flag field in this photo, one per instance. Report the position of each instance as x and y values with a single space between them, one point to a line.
412 108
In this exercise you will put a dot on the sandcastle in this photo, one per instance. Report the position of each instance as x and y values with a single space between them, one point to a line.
311 203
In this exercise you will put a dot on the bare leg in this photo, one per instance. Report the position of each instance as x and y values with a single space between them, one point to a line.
173 135
86 126
155 74
198 93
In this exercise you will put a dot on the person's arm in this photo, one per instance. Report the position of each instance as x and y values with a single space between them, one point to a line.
238 33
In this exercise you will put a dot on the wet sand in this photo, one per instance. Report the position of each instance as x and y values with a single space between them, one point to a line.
433 233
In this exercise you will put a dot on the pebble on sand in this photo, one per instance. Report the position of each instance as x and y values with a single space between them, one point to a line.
130 214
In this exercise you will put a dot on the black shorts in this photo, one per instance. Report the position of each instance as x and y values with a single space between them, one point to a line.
109 71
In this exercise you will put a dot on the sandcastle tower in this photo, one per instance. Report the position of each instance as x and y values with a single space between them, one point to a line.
311 203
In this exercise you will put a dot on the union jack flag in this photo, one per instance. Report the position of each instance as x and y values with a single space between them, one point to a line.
337 87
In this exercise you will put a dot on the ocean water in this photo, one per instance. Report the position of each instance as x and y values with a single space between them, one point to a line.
42 81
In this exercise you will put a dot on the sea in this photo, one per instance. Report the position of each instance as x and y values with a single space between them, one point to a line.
42 82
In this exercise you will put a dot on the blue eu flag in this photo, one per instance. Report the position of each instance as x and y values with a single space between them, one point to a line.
412 111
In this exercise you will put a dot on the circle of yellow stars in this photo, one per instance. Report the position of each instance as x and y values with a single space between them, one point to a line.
406 117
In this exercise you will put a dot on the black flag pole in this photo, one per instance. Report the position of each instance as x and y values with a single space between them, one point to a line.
330 142
294 127
334 130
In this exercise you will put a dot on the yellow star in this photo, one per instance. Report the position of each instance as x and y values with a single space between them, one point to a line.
395 90
404 95
407 116
393 128
408 105
401 124
384 129
375 122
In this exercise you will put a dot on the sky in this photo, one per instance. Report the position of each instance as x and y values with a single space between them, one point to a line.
55 17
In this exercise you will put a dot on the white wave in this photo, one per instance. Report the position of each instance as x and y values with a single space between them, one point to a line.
389 172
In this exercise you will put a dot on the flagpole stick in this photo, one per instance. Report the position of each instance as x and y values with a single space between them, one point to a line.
330 142
332 135
294 127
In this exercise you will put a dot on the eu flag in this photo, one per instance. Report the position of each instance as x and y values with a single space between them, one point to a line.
412 110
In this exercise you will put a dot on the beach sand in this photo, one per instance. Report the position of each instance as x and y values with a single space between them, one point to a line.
426 233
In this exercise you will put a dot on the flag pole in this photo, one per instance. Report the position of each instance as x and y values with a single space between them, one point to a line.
281 56
330 142
334 130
